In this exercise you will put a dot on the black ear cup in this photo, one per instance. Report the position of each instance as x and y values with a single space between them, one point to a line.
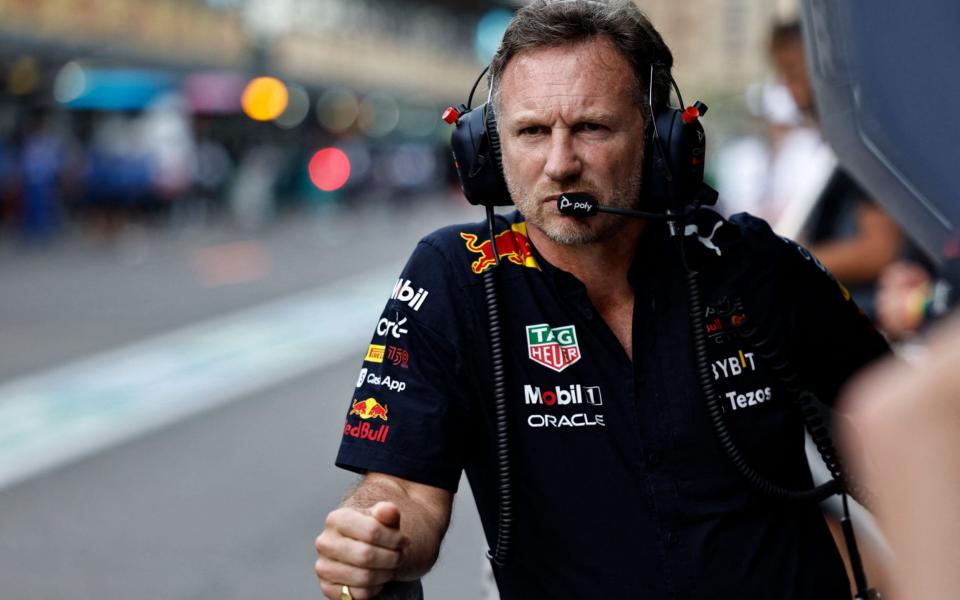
493 136
674 160
476 154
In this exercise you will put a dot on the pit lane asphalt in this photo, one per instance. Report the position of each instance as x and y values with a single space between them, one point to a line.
226 501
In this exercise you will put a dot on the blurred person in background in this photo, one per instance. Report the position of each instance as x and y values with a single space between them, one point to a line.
251 197
851 235
211 173
913 295
117 176
904 301
620 486
165 135
9 178
42 161
776 166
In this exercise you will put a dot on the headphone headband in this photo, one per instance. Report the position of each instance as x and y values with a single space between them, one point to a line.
673 159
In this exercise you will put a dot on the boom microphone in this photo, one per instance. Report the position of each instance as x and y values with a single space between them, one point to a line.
577 204
581 204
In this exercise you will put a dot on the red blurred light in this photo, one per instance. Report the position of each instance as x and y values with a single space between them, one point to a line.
329 169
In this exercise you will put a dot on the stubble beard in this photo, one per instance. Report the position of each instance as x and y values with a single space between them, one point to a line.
574 231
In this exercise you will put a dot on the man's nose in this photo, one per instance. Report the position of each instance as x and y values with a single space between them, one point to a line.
562 159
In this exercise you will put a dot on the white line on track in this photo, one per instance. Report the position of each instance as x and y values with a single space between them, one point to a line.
57 416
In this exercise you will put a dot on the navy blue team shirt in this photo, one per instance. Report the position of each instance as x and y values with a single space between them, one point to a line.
620 487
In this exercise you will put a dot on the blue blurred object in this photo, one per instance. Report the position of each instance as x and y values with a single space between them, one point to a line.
120 89
887 89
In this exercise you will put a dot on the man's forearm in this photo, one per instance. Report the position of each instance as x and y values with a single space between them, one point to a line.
423 525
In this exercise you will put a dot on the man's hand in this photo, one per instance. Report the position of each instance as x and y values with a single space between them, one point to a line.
360 548
901 292
364 548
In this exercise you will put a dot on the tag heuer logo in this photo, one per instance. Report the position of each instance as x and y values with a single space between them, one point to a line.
553 347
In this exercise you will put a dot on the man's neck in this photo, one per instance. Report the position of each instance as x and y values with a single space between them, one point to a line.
602 267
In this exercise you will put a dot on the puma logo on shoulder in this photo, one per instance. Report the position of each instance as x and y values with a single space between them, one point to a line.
692 229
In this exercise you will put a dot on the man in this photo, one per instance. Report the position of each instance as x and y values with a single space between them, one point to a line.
620 488
851 235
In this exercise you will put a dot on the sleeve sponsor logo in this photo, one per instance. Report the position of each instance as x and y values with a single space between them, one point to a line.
374 353
363 375
365 431
387 382
395 328
512 245
553 347
398 357
403 291
806 254
369 409
366 410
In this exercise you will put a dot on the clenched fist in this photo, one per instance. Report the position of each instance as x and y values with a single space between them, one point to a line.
359 548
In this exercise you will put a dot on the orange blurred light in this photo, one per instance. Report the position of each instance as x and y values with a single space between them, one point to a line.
329 169
264 98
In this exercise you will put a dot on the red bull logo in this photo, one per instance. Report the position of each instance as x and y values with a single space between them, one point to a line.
364 431
369 409
512 245
718 324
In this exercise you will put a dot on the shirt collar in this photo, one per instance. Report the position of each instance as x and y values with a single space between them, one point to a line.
652 255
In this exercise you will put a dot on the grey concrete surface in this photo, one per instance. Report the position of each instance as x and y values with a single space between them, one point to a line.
80 296
227 503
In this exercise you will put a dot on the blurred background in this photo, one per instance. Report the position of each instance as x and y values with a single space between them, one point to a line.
203 206
118 116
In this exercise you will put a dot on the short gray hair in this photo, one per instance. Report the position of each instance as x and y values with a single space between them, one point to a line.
548 23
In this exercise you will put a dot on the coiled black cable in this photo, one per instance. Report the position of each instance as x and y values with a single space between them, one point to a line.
806 403
505 522
719 423
787 376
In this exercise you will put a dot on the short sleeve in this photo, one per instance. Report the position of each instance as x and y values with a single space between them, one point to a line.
406 414
825 335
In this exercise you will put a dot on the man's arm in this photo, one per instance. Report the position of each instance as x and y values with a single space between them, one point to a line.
863 257
388 528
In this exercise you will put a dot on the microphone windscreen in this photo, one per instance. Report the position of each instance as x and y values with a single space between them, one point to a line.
577 204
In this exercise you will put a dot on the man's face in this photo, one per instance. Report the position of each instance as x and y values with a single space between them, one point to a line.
791 64
570 122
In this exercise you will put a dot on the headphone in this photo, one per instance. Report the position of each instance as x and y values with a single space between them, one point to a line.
672 166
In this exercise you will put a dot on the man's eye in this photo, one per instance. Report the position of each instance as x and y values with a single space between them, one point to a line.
592 127
532 130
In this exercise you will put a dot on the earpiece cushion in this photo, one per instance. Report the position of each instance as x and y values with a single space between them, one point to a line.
493 137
